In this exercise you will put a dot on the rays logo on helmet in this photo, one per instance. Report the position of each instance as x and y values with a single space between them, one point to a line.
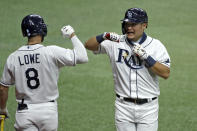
31 22
129 14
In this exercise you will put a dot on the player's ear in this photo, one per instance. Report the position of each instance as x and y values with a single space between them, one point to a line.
144 25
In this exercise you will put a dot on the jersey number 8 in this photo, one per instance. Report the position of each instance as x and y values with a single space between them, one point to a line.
33 77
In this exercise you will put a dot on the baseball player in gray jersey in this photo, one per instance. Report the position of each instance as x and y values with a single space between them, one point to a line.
34 69
137 60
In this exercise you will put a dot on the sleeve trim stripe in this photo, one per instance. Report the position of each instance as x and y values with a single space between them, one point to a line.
1 83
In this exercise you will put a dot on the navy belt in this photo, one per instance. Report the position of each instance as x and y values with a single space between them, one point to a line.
136 100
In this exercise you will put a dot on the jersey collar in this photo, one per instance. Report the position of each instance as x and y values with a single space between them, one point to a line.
30 47
140 41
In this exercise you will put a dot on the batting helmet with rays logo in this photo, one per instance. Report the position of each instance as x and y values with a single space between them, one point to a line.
134 15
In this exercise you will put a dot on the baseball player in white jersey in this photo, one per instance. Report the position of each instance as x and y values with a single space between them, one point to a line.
34 69
137 60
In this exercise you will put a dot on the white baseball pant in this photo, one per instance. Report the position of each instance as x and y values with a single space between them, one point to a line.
134 117
38 117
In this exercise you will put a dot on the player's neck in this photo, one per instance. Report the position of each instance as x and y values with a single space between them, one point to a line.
34 40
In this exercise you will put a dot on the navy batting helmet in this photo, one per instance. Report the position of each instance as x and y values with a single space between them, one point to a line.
33 25
134 15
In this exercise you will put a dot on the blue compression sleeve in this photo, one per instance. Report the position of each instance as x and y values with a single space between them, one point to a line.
99 38
150 61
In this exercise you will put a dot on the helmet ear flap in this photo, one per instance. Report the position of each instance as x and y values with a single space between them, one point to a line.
23 28
123 28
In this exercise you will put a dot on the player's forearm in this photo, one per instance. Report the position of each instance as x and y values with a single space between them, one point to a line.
161 70
80 51
92 44
3 96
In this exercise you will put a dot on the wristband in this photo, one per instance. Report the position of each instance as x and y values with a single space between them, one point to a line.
150 61
100 38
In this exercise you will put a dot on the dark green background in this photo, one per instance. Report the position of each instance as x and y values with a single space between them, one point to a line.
86 101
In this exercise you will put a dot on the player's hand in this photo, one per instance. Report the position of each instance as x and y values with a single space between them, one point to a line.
140 51
4 112
111 36
67 31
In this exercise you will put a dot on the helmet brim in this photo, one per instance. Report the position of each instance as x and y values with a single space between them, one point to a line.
131 20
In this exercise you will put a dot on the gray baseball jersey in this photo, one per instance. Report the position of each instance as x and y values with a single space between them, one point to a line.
34 69
131 76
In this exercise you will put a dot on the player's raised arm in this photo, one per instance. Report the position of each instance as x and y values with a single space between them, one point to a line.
78 47
93 42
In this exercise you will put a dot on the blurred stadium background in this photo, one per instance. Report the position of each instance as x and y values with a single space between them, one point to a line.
86 101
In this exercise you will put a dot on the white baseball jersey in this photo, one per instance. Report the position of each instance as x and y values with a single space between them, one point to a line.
131 77
34 69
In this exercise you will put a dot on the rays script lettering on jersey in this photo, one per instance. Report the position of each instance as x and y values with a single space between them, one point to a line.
131 61
29 59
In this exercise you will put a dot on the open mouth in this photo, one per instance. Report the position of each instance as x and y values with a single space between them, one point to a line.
130 33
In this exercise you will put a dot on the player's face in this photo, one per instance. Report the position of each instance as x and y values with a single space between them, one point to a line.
134 30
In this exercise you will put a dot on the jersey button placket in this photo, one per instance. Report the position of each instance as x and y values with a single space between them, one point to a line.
133 84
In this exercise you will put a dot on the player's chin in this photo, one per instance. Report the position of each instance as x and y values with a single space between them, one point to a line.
130 36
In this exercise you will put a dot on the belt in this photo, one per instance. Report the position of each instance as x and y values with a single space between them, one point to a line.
136 100
22 106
